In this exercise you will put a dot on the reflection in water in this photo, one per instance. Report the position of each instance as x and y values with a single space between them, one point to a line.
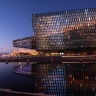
66 79
9 80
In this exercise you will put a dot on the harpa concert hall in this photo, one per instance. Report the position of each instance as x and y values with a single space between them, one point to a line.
71 31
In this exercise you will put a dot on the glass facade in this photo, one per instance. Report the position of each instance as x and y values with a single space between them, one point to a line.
65 30
28 42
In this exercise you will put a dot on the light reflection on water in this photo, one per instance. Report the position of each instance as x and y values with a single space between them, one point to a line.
9 80
55 79
67 79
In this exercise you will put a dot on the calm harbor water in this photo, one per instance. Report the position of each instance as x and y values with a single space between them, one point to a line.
10 80
56 79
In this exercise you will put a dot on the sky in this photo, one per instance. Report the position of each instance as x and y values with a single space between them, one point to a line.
16 16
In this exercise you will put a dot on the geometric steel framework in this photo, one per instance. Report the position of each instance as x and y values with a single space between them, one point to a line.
28 42
65 30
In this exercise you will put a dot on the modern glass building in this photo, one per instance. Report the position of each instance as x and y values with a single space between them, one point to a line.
28 42
65 30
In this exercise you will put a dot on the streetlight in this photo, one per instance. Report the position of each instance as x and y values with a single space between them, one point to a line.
1 52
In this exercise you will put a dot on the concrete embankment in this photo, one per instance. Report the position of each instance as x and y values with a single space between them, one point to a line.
55 59
34 59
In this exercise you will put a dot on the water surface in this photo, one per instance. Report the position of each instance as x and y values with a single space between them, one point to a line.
10 80
62 79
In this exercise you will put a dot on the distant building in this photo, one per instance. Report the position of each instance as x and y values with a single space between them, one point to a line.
72 30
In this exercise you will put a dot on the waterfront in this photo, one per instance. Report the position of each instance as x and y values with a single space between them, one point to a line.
67 79
9 80
60 79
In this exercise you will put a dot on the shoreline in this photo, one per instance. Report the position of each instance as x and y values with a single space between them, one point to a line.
54 59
